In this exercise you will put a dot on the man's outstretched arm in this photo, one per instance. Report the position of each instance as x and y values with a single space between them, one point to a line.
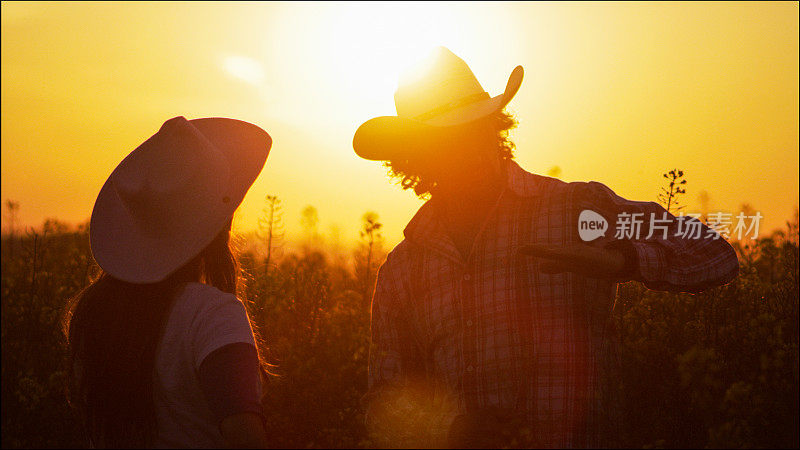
669 256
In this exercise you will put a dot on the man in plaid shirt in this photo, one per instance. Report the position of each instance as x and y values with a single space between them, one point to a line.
490 320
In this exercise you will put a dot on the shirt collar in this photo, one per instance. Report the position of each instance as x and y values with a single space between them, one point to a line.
426 229
522 182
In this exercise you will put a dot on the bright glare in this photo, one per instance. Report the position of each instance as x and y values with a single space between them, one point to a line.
369 45
244 68
339 63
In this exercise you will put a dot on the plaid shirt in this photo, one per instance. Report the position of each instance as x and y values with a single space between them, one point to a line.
492 332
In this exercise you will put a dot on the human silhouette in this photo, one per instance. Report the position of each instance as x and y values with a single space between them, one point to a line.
490 320
162 353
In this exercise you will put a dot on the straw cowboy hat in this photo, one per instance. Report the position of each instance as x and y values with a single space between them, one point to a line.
446 94
168 199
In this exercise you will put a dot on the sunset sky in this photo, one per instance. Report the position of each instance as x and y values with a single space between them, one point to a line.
617 93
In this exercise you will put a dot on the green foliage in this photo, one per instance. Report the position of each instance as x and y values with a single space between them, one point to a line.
717 369
316 322
39 271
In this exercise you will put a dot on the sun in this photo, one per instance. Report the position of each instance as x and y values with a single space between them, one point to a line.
368 45
338 63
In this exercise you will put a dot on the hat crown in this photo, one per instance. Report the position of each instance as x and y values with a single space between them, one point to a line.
440 81
175 170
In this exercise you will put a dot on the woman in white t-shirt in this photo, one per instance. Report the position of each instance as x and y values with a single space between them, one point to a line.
161 350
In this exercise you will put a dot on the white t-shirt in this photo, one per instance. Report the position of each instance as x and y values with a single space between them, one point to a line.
202 319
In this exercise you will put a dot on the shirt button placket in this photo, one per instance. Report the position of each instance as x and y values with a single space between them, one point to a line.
470 347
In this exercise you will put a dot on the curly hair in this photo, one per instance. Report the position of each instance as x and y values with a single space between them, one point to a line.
410 177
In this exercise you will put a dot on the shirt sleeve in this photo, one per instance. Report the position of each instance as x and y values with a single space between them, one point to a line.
390 345
400 397
671 253
229 379
220 322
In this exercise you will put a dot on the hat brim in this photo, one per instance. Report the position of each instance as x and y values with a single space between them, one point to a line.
123 251
389 137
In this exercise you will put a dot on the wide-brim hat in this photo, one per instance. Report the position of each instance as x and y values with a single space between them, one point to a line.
444 94
168 199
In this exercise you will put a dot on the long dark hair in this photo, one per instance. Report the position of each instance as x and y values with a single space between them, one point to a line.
113 329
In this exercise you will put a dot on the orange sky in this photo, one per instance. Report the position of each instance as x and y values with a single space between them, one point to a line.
617 93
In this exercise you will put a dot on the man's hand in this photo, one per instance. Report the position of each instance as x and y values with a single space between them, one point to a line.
579 258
